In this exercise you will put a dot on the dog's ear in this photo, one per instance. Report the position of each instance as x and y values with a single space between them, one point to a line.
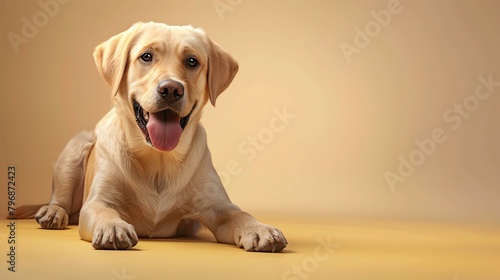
111 56
222 68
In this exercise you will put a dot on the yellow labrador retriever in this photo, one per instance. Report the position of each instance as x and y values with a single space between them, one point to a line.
146 170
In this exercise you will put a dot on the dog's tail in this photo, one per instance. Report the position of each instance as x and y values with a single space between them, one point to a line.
25 212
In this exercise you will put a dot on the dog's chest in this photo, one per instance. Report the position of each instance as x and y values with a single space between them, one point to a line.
156 210
156 204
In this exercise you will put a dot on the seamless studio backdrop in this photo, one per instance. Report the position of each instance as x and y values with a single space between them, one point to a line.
378 109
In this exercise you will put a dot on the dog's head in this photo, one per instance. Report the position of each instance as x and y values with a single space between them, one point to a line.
161 76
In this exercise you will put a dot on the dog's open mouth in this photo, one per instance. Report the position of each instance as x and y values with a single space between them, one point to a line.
162 129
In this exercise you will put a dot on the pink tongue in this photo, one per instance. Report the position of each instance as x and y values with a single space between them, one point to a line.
164 130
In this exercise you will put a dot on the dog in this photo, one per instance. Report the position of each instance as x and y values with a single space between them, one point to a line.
146 171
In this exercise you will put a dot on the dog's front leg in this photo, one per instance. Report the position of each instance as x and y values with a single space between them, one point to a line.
227 222
103 226
231 225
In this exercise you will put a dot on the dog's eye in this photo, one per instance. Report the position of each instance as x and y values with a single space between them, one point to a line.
146 57
192 62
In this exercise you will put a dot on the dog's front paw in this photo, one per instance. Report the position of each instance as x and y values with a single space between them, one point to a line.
261 238
52 217
114 234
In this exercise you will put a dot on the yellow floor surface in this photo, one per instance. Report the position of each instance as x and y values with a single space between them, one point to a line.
343 249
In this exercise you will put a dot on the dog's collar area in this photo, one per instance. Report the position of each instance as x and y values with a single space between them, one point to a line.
142 117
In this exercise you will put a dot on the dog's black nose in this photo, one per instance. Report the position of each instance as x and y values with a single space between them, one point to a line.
170 90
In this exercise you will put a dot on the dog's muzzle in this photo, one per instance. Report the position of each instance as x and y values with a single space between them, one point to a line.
162 129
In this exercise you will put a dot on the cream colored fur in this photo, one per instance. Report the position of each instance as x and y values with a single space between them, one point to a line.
118 184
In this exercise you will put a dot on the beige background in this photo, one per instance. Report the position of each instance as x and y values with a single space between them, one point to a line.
352 120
